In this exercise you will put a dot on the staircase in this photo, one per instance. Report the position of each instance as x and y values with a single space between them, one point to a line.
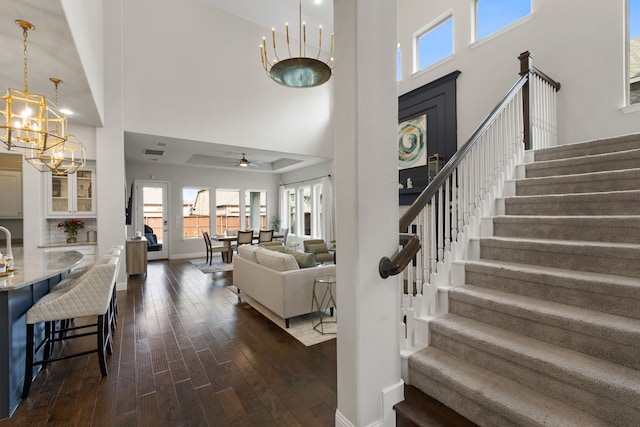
546 329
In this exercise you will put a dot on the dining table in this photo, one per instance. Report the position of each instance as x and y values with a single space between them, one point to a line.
228 241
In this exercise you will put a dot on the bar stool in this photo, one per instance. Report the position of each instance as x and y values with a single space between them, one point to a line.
90 296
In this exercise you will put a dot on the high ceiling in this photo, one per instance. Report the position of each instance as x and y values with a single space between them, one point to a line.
52 41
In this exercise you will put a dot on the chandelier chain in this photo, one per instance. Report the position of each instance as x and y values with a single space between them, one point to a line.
24 36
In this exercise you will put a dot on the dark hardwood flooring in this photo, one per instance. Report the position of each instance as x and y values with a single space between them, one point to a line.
188 353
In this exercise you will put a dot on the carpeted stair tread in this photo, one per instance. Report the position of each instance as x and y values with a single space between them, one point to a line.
625 229
621 286
510 400
589 373
617 180
586 148
597 257
579 204
604 326
618 160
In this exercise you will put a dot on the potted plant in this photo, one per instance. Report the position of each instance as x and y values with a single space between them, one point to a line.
275 223
71 227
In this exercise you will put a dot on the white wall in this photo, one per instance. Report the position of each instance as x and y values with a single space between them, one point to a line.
179 177
579 43
194 72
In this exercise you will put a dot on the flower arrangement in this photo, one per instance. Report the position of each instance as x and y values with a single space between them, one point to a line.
71 227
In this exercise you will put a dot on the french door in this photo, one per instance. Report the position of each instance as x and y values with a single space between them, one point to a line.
152 217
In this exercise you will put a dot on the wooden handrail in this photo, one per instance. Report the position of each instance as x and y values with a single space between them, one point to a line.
410 247
410 242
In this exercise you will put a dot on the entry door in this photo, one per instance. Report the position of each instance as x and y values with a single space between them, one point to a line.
152 217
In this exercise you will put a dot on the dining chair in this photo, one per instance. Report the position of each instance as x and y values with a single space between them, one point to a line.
207 244
212 249
265 236
245 237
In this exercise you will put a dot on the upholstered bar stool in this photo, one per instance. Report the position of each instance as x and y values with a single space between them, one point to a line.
90 296
71 280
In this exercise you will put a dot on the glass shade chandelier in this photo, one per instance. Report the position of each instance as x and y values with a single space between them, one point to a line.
62 159
25 118
300 71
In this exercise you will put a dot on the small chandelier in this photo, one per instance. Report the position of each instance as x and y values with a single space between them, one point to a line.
298 71
62 159
25 117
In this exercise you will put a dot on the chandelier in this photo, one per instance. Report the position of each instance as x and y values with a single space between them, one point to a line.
26 117
61 159
300 71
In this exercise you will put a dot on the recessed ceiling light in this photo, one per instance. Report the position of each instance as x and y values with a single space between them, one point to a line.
67 112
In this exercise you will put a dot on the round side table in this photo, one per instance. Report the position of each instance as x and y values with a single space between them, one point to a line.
323 298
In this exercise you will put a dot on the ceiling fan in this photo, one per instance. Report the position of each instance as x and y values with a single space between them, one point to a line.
243 163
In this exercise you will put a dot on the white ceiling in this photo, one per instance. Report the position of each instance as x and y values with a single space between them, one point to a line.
52 53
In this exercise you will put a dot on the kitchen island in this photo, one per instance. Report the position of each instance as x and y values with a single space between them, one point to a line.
34 275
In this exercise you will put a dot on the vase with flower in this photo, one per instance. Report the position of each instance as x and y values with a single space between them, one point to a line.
71 227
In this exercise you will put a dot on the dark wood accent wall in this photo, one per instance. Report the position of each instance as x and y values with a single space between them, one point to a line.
438 101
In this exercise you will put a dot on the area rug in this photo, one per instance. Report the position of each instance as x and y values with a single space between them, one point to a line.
300 327
217 265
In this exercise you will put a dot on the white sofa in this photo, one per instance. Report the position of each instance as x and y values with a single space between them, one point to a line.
276 281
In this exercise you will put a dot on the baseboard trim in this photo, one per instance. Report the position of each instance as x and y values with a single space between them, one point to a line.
121 286
342 421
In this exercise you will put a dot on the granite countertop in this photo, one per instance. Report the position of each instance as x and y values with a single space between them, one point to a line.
33 267
70 245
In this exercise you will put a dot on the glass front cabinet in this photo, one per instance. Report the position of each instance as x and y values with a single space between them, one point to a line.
72 195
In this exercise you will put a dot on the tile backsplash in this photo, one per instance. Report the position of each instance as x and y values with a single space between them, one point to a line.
52 235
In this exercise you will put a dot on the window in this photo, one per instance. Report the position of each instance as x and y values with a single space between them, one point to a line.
304 195
494 15
634 51
291 209
196 217
255 206
227 210
304 209
435 43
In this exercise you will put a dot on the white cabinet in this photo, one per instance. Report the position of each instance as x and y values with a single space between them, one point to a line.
72 195
88 252
10 193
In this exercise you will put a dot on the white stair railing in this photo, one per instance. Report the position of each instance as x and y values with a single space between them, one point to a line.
437 227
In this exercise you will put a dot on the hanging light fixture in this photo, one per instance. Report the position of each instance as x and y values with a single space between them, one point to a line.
62 159
25 117
300 71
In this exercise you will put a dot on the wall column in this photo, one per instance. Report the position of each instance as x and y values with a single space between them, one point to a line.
366 188
110 142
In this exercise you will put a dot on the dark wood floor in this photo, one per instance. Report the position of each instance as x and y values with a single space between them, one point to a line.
187 353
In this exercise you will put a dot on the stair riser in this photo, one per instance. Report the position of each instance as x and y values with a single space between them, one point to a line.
584 398
553 331
481 414
606 230
622 161
588 149
558 186
622 261
529 285
586 205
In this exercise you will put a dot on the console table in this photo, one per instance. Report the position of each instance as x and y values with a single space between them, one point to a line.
137 256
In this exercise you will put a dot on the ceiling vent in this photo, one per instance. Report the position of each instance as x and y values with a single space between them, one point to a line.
150 152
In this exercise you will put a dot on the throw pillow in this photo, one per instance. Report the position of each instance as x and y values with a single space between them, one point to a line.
277 248
304 259
317 247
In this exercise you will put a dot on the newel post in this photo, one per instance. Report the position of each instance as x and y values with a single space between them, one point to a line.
526 64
